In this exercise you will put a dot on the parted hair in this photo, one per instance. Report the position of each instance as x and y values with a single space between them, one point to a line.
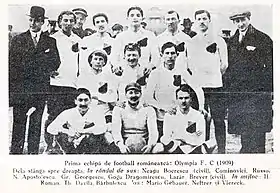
59 19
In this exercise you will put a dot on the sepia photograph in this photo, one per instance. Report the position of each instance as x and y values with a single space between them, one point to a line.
140 79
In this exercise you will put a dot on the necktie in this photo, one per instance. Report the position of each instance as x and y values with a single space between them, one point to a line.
35 39
241 37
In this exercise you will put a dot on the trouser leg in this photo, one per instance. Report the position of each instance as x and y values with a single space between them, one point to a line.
253 142
60 99
19 124
218 112
65 144
34 132
160 129
206 107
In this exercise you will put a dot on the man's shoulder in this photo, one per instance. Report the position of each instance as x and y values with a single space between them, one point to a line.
184 35
260 34
149 33
21 36
156 73
75 37
149 109
123 35
47 37
68 111
195 113
95 110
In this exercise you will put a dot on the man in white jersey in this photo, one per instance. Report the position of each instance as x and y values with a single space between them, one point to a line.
175 35
184 131
208 61
149 53
80 130
134 127
63 81
99 40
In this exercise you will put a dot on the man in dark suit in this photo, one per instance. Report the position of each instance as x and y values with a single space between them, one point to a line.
33 56
249 81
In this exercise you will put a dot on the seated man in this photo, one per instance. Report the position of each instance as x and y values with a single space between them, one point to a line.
134 127
102 84
184 131
132 70
80 130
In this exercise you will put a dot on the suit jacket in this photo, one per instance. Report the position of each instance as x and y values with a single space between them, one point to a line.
30 66
250 62
249 82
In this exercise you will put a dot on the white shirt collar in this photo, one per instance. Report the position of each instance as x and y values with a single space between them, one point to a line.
243 33
33 34
173 34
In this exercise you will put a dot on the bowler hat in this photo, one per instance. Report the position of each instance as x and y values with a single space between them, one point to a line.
240 14
37 12
186 21
80 10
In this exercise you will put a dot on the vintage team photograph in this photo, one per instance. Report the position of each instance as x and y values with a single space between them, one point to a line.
129 79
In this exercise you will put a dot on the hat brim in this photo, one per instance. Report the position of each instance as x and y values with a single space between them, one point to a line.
37 16
242 15
183 24
80 12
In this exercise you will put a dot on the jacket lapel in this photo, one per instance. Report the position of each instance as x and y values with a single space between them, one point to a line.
29 41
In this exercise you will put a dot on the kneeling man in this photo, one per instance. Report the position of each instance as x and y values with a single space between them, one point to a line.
80 130
134 127
184 131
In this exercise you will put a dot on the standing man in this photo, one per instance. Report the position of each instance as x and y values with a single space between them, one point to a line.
149 53
63 81
33 56
249 81
208 61
134 127
81 15
52 27
176 36
98 40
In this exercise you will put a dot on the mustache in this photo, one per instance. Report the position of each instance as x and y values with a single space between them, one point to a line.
134 98
132 60
83 106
